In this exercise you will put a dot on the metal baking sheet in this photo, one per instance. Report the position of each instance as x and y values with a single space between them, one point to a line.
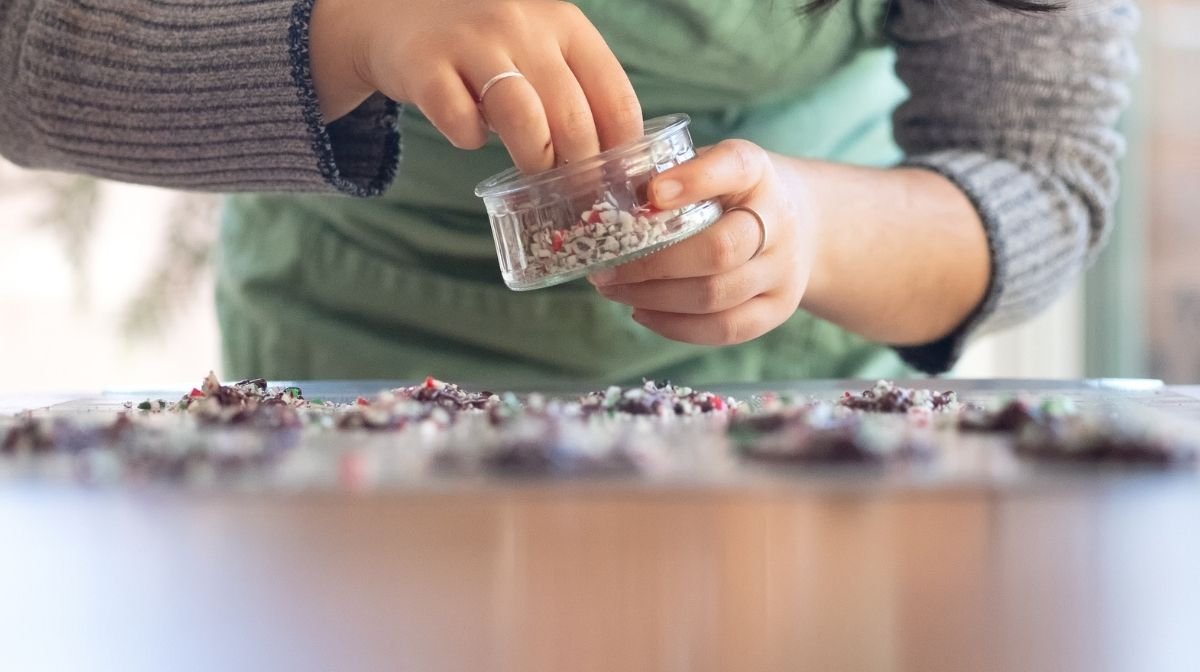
395 461
1148 392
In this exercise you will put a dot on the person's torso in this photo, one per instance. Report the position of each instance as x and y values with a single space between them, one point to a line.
755 69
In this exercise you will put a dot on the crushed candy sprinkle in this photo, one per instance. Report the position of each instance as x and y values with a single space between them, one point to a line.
223 429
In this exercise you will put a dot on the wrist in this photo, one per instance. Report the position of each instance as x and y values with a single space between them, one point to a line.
804 178
899 254
336 61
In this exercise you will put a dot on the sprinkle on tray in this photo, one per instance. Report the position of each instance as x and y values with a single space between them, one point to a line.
653 398
616 431
887 397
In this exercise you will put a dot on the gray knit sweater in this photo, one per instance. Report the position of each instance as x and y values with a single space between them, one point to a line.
1018 110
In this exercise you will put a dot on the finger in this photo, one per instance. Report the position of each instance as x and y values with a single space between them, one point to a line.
568 113
742 323
729 168
725 245
610 94
693 296
444 99
514 110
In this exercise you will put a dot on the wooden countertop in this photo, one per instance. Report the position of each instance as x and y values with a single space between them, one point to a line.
1094 574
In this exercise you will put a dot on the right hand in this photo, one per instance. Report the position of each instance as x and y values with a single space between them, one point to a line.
574 101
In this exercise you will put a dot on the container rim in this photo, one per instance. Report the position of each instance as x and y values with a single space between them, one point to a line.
511 180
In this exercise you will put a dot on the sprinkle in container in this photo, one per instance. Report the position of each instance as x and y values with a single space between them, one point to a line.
559 225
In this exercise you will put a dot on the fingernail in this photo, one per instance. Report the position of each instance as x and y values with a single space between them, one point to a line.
667 190
602 277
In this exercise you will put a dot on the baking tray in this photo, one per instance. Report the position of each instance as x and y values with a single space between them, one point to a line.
701 459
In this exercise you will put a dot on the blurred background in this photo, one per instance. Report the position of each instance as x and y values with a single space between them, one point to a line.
106 286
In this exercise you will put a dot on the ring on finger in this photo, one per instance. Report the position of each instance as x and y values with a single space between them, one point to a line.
762 228
487 86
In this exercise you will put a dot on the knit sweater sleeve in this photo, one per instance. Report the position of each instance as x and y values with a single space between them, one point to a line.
1018 110
210 95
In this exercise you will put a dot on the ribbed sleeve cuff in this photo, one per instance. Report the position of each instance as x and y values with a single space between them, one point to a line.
1029 260
209 95
358 154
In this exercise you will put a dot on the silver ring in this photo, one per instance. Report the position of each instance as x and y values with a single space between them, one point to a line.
762 228
487 86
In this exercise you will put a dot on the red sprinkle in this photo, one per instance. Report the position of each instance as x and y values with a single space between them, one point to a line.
195 394
362 401
718 403
593 217
429 383
556 241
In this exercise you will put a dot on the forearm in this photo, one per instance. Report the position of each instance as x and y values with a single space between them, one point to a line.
206 95
901 254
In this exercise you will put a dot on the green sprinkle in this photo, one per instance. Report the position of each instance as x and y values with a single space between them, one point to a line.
612 396
292 391
1057 406
144 406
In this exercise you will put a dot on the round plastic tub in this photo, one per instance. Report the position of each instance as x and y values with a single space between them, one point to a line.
559 225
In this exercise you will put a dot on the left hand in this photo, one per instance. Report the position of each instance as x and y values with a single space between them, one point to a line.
707 289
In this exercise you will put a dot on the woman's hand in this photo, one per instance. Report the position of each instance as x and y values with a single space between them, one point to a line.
573 100
711 289
897 255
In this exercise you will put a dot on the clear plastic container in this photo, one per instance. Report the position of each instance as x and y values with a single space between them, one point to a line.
564 223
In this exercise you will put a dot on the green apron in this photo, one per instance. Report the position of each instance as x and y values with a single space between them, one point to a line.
408 284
